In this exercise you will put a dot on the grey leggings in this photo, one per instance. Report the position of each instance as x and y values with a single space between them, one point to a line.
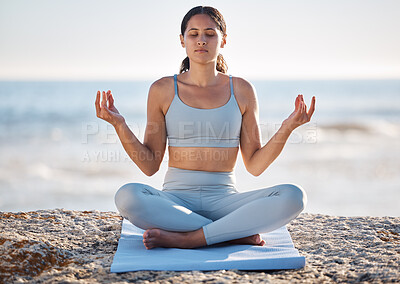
191 200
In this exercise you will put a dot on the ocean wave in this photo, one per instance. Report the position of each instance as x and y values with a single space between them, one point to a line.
370 127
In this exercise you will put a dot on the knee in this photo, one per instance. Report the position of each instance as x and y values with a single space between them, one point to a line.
296 196
127 196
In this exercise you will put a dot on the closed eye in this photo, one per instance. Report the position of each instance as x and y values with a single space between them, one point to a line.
206 34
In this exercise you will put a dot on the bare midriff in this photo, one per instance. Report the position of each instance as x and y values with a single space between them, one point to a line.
211 159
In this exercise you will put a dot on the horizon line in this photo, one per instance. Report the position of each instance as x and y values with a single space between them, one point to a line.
143 79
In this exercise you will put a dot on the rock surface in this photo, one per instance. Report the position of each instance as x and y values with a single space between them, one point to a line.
65 246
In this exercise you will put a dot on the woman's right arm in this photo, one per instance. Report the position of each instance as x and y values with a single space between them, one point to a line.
149 154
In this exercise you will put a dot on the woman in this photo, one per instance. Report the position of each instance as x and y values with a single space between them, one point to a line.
205 115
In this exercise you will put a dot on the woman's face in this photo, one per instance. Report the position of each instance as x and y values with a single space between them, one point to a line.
202 39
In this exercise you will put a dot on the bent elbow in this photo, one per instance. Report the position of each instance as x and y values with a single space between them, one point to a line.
256 173
150 171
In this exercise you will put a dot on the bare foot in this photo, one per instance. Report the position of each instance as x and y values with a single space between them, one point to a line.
160 238
250 240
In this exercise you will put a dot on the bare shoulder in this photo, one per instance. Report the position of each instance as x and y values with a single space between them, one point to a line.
162 92
245 93
161 85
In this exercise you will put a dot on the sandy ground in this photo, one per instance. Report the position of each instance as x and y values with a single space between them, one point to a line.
64 246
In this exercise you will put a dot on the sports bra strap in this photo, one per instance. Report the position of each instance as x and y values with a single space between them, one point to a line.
230 81
176 84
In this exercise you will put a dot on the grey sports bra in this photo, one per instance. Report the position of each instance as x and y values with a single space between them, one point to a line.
194 127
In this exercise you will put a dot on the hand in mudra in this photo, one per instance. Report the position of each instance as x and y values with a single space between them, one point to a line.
300 115
106 110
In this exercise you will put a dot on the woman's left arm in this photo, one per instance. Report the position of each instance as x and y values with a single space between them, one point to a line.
256 158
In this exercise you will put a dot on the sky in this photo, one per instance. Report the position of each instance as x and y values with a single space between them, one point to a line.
139 40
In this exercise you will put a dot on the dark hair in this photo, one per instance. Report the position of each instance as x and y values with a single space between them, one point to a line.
216 16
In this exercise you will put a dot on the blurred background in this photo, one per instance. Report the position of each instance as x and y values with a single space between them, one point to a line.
55 55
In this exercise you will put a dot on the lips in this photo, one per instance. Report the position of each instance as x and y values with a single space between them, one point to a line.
201 50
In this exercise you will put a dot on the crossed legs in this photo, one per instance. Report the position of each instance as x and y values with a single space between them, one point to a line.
240 216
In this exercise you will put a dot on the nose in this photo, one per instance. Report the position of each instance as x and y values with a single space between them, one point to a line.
201 41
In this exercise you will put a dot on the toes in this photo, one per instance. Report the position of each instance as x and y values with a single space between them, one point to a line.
146 234
257 238
259 241
148 244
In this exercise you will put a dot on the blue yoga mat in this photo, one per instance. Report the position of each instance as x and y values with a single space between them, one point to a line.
278 253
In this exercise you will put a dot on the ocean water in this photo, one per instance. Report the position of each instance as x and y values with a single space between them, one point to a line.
55 152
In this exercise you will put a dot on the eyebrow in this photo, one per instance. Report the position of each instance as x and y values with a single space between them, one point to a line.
207 29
